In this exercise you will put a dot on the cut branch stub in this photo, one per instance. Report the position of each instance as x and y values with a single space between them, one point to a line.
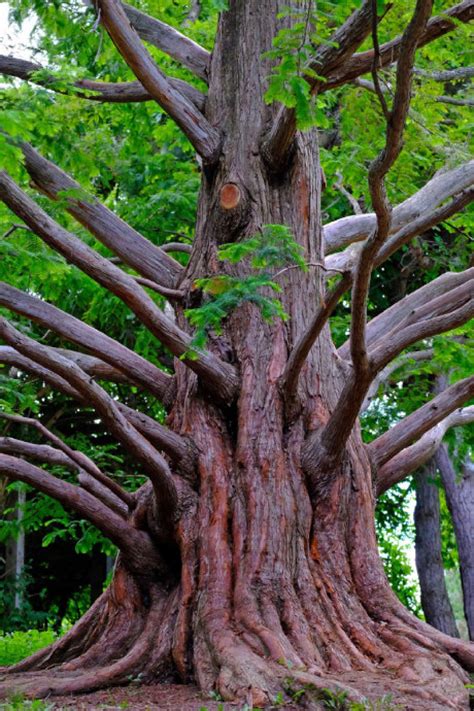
230 196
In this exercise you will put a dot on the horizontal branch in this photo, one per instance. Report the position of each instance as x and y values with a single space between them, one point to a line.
218 376
179 448
356 228
411 458
133 249
101 91
133 543
81 460
447 75
49 455
389 53
145 454
184 50
390 319
126 361
415 425
204 137
444 313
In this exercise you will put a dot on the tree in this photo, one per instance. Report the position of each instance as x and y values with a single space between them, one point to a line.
249 556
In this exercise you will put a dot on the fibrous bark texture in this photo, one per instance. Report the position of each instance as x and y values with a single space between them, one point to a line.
249 561
429 562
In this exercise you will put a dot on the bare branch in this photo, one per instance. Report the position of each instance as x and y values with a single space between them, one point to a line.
349 197
454 101
442 186
171 41
384 375
78 458
150 459
443 314
192 122
390 319
179 449
177 247
410 459
101 91
49 455
218 376
415 425
304 344
391 51
447 75
133 249
277 142
138 369
135 544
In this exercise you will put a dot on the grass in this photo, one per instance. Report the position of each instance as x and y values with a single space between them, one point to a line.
15 646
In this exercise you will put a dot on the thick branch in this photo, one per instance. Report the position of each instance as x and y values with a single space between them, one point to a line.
447 75
49 455
102 91
220 377
134 544
303 346
415 425
150 459
192 122
356 228
78 458
443 314
178 448
277 142
138 369
133 249
391 51
411 458
187 52
390 319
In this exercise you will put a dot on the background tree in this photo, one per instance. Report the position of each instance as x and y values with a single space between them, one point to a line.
252 547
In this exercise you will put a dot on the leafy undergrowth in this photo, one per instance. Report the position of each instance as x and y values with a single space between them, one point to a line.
15 646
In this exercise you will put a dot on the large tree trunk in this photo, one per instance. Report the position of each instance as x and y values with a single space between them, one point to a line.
460 499
265 577
429 562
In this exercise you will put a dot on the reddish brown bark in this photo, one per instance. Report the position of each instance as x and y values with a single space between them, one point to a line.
267 569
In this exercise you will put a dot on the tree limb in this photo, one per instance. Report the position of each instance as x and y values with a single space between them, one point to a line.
325 447
442 186
390 319
444 313
278 140
78 458
49 455
411 458
180 449
218 376
101 91
447 75
133 249
423 419
138 369
390 52
204 137
151 460
304 344
184 50
135 544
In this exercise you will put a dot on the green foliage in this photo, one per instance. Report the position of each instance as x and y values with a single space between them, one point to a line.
273 247
15 646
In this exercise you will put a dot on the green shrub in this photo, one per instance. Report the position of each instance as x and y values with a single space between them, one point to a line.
18 645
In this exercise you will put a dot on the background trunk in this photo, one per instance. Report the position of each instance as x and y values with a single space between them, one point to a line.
429 562
460 499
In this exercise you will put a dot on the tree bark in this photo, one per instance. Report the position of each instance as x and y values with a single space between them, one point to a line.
429 562
460 499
